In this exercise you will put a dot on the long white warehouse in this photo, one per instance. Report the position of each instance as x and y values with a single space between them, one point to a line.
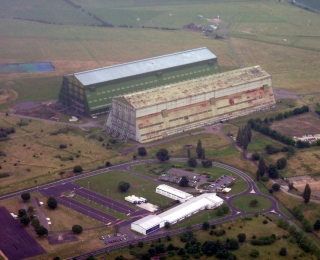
173 193
152 223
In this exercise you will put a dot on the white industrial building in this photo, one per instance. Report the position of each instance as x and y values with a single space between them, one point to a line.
173 193
152 223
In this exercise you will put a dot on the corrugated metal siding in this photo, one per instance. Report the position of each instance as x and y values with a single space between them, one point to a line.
144 66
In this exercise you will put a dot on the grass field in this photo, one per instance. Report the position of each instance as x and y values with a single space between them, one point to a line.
107 184
243 203
259 142
33 154
257 29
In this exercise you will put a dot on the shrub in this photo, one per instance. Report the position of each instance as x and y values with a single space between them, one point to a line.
283 251
254 253
265 221
242 237
276 187
63 146
264 178
77 229
281 163
77 169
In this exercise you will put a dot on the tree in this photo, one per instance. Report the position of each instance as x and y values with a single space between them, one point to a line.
258 175
41 231
184 182
140 244
25 220
188 153
276 187
273 171
255 156
57 258
199 148
242 237
203 154
77 169
192 162
77 229
205 225
307 193
21 213
142 151
163 155
152 251
25 196
281 163
167 225
30 209
283 251
52 203
316 225
123 186
91 257
119 258
262 166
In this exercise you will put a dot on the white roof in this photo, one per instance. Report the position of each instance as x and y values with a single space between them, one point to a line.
190 206
144 66
174 191
148 221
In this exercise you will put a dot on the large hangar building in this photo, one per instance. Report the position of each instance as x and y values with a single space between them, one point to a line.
153 114
91 92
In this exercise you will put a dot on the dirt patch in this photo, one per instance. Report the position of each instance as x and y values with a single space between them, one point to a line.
298 125
39 112
61 237
7 95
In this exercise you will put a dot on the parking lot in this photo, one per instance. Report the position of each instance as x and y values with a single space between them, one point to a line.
174 175
113 238
221 183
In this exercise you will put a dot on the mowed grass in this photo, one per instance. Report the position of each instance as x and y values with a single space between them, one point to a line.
243 203
107 185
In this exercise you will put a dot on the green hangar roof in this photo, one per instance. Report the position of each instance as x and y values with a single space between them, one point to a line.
100 75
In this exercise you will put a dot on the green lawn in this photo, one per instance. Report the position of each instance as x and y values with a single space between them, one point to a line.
107 185
259 142
100 207
243 203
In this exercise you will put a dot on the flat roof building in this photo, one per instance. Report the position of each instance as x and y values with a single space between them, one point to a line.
173 193
91 92
150 115
152 223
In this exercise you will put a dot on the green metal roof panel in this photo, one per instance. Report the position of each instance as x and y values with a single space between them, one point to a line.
144 66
